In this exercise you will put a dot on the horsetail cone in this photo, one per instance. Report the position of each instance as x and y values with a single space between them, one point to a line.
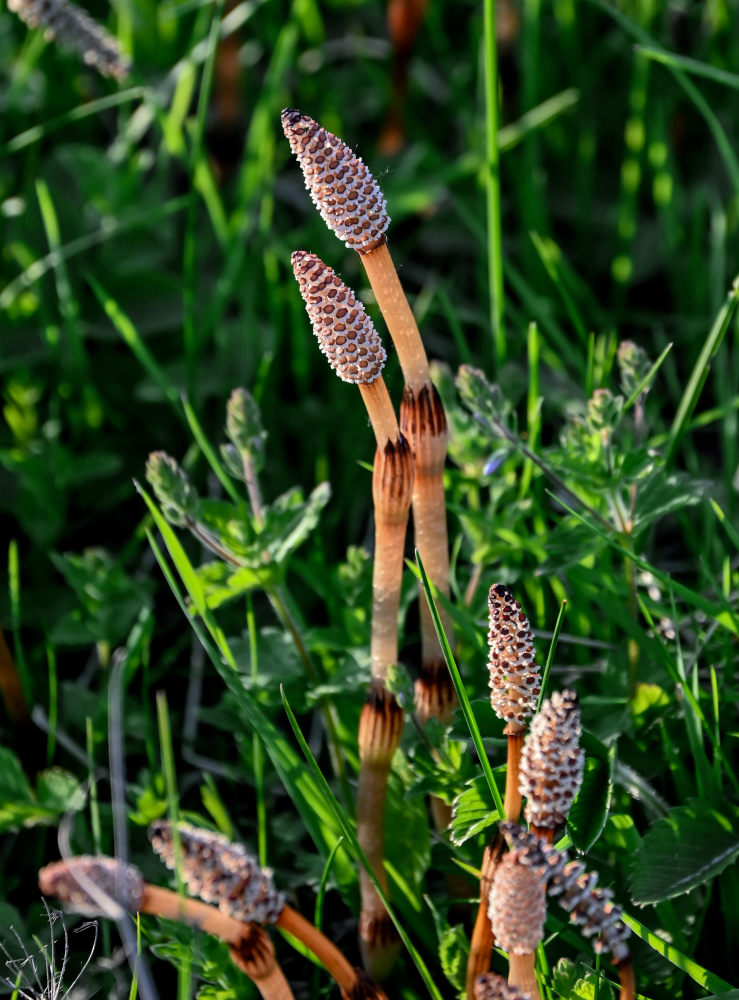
552 762
517 906
74 882
72 26
590 906
491 987
340 185
345 333
515 680
220 872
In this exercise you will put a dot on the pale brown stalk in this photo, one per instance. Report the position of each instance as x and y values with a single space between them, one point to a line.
349 340
482 940
353 207
92 884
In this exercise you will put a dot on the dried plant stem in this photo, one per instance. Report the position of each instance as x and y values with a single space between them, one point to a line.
521 974
512 800
482 940
250 946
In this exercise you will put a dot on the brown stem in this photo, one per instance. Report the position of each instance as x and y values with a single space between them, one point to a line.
11 685
249 944
512 800
627 979
380 410
255 955
521 974
545 832
398 316
482 940
346 976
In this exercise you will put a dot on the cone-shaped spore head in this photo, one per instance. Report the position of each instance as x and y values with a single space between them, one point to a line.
517 906
220 872
74 882
340 185
552 761
344 331
515 680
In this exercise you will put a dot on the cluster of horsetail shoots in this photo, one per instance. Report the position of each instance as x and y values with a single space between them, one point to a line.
90 885
353 207
349 340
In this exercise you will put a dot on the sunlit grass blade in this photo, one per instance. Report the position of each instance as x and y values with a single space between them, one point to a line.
356 850
549 254
459 687
299 784
730 529
552 650
721 139
210 453
700 371
694 66
647 380
133 339
696 972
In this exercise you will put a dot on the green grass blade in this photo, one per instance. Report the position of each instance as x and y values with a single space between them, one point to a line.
694 66
210 455
42 131
700 372
730 529
464 701
355 847
132 337
696 972
550 254
552 650
647 380
492 186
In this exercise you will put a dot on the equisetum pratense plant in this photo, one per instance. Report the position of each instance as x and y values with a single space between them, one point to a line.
226 874
349 340
589 905
552 764
353 207
89 884
517 912
515 683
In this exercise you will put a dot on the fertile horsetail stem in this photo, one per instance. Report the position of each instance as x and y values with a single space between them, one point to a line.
515 680
88 884
552 764
72 26
351 203
349 340
482 940
589 905
517 914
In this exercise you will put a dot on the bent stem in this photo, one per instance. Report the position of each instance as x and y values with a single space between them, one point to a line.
482 940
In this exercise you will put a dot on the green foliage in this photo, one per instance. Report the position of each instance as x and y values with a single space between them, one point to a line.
593 456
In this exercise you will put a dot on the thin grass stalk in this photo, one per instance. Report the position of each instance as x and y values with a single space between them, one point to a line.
347 337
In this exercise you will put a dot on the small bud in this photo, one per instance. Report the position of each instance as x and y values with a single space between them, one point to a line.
220 872
72 26
172 488
634 365
517 906
244 425
340 185
552 761
345 333
515 680
488 986
70 882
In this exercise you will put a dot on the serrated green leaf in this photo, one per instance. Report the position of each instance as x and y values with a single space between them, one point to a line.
454 948
690 846
471 811
589 811
576 982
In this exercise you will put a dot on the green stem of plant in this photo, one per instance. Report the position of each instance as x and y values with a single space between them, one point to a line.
492 186
256 743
